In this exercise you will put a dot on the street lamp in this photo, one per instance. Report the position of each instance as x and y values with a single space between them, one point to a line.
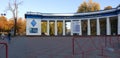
3 14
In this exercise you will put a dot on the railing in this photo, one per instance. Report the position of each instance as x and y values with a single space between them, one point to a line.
6 48
101 45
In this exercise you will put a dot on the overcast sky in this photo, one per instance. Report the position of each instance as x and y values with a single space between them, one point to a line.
52 6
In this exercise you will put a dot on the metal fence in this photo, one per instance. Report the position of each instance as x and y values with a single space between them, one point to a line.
3 50
96 46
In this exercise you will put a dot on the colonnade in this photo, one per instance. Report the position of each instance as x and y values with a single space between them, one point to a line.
98 29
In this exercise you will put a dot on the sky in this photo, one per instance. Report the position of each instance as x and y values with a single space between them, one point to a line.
52 6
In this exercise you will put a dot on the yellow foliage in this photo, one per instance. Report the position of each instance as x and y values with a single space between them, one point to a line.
108 7
7 25
88 6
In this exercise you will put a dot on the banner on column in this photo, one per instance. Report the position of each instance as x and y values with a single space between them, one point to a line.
76 27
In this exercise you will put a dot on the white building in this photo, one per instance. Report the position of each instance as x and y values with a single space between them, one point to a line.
35 19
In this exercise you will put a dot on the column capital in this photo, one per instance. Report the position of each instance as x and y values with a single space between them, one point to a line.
56 20
48 20
118 15
88 19
98 18
108 16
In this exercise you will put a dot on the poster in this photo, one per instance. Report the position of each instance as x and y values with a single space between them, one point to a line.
76 27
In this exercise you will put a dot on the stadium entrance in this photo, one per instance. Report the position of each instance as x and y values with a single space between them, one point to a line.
106 22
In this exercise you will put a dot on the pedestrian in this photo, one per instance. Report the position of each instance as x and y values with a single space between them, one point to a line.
2 36
9 37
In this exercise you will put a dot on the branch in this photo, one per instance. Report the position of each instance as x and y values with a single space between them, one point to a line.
13 7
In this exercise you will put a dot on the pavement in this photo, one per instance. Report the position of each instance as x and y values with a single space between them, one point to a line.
62 47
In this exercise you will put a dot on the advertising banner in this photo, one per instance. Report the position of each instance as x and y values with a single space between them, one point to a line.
76 27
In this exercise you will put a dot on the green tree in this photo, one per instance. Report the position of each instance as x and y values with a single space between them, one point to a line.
88 6
108 7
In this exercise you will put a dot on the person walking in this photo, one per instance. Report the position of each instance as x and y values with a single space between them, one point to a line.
9 37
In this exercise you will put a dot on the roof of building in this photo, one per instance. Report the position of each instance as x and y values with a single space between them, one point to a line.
113 11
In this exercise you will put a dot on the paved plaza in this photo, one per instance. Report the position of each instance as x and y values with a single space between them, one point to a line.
61 47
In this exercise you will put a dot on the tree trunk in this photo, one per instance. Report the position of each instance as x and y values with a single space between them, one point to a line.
15 25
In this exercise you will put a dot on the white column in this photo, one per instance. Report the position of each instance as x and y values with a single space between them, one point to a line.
48 28
119 24
108 28
71 27
55 27
40 27
88 27
98 26
63 27
80 28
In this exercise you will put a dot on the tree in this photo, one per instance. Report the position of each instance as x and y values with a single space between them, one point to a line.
7 25
52 24
13 7
44 27
3 23
83 7
88 6
59 26
108 7
21 25
11 23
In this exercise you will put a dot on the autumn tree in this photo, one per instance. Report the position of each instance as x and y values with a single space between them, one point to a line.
21 26
3 23
59 27
88 6
7 25
44 27
11 23
52 29
108 7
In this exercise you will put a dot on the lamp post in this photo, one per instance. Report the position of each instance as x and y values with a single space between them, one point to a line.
3 14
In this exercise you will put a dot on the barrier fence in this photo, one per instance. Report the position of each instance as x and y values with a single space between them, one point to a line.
72 47
96 47
3 50
83 47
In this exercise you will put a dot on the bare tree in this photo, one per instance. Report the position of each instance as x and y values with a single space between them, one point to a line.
13 7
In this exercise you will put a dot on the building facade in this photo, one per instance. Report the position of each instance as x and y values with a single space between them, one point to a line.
104 22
